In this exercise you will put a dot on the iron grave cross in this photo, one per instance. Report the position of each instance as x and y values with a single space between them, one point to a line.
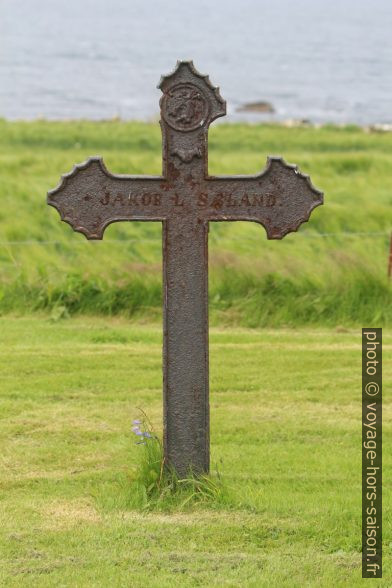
185 198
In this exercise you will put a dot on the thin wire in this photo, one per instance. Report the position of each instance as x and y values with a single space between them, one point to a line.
346 234
343 234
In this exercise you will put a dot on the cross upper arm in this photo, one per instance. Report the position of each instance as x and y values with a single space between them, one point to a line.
280 198
89 198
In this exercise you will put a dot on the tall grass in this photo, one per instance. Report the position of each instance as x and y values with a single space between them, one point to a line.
324 274
153 484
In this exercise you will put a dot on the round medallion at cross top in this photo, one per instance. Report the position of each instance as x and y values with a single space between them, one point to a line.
185 108
190 102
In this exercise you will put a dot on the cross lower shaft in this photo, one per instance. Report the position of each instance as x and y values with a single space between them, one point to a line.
185 346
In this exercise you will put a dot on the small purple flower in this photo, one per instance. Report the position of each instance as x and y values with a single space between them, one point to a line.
136 428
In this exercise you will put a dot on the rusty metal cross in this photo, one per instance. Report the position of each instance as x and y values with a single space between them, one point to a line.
185 199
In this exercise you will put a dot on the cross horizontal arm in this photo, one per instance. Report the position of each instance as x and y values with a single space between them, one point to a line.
280 198
89 198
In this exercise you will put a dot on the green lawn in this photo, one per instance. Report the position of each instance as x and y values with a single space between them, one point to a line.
285 398
332 272
285 418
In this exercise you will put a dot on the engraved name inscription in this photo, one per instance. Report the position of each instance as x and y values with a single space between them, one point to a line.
203 200
222 199
148 199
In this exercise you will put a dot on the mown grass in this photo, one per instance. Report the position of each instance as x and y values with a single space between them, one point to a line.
285 431
306 278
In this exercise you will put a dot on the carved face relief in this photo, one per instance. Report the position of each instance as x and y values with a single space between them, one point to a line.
185 108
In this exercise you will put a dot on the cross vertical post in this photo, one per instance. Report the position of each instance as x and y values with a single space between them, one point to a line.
187 110
185 199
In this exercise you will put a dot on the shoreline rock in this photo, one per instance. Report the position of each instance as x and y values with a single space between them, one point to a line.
261 106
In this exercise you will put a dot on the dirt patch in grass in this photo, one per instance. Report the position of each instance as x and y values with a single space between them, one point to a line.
64 514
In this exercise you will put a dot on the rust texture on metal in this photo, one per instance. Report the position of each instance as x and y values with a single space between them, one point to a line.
185 198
